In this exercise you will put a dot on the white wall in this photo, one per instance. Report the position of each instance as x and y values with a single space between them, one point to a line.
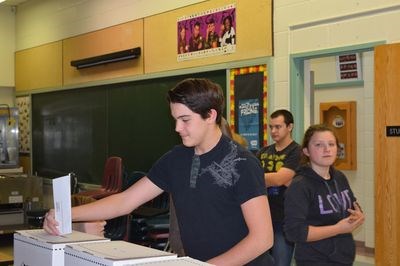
310 25
7 46
324 70
7 96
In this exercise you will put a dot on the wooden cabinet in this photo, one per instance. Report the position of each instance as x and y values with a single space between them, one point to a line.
341 117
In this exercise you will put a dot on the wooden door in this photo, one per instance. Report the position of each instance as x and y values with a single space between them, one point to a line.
387 155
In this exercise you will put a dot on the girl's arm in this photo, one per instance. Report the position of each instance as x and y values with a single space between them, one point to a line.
346 225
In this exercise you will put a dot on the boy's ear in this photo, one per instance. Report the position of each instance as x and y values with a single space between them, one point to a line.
212 115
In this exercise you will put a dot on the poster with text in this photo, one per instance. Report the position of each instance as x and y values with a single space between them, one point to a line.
248 96
208 33
248 122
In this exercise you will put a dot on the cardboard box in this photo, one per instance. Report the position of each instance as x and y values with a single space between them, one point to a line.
113 253
182 261
38 248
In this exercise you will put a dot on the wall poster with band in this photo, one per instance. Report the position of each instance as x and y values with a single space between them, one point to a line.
248 104
207 33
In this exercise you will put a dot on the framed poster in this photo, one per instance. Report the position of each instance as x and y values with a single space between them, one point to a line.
248 104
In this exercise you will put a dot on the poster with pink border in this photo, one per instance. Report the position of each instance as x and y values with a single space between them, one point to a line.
208 33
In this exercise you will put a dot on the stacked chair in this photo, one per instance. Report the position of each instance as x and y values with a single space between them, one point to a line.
149 224
115 229
111 182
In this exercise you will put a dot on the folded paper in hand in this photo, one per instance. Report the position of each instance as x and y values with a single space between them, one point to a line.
62 203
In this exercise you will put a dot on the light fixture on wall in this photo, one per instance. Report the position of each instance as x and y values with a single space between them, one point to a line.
107 58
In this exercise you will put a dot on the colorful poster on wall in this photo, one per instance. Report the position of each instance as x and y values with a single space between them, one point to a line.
248 104
208 33
248 122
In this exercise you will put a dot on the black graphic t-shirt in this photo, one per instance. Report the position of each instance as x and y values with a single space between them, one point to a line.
208 193
273 160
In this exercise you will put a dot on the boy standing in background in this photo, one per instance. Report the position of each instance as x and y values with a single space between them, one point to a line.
280 161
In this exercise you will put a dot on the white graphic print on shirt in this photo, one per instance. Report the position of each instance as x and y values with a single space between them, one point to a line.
225 173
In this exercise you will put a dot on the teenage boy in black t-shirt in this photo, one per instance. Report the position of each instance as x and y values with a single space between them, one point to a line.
280 161
217 186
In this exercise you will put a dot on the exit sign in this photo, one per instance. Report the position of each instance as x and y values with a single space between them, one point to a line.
393 131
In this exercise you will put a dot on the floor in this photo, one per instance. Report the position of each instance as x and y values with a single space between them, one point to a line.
362 260
6 249
364 256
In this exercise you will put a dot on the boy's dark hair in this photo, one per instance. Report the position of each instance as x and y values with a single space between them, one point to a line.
199 95
288 117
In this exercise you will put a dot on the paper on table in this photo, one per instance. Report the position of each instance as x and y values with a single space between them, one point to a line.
62 203
74 237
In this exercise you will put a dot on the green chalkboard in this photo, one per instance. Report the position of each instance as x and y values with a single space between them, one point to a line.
69 133
76 130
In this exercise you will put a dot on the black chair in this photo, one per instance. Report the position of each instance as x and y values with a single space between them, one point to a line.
150 223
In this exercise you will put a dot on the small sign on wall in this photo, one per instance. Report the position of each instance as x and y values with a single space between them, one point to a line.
393 131
348 67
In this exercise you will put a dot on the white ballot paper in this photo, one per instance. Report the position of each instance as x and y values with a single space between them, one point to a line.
62 203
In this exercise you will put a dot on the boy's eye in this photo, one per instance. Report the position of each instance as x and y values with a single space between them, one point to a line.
276 127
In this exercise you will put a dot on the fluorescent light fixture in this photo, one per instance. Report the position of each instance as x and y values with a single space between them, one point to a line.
107 58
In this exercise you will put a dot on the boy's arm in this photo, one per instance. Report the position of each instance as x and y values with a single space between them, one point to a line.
110 207
259 239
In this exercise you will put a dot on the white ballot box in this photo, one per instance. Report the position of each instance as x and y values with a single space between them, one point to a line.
38 248
181 261
112 253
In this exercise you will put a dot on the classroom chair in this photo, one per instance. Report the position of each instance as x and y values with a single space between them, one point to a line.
111 182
